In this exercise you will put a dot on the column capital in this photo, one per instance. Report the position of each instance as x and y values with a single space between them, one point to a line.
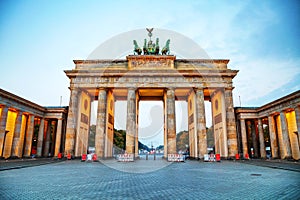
102 88
72 88
132 88
3 106
170 88
27 113
228 88
282 112
198 89
259 120
296 107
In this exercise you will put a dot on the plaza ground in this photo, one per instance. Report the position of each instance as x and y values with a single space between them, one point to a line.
149 179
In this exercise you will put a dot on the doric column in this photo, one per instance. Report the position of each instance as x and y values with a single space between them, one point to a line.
273 138
53 138
137 127
72 122
285 135
201 123
165 127
171 122
297 114
230 124
131 121
261 139
47 142
40 138
244 137
254 138
58 137
15 150
3 119
29 135
101 123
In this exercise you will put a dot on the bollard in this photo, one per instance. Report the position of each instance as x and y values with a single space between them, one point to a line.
146 156
94 157
83 157
218 158
247 156
206 158
89 157
211 157
154 156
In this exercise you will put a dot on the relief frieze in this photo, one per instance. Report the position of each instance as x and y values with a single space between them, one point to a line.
95 80
148 81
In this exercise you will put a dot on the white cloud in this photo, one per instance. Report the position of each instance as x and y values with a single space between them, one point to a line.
257 78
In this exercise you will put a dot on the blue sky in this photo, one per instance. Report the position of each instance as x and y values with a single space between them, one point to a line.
39 39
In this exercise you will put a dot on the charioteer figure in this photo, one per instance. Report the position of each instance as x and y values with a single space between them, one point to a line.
151 48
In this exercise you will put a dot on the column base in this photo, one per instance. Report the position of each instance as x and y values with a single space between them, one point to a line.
13 157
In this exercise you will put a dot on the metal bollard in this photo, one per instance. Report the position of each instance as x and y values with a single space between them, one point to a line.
146 156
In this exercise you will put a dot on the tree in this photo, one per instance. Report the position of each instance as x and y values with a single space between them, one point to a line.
92 135
182 139
120 139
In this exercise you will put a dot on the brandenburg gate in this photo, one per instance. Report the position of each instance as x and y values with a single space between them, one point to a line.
151 76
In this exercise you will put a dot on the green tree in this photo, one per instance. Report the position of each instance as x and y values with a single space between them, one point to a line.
120 139
92 135
182 139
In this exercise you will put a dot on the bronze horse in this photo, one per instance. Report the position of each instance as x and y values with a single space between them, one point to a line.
166 49
137 49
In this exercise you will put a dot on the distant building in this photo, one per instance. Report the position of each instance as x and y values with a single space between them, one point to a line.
271 130
28 129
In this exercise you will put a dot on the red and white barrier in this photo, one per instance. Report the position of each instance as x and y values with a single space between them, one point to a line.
175 158
127 157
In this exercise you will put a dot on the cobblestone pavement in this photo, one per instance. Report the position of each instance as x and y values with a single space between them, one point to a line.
22 163
188 180
276 164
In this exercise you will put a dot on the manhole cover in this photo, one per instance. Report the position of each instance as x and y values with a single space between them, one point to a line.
255 174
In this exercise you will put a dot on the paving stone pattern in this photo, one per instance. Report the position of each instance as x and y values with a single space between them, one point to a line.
188 180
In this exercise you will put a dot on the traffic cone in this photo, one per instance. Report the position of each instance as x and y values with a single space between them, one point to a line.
237 156
69 156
